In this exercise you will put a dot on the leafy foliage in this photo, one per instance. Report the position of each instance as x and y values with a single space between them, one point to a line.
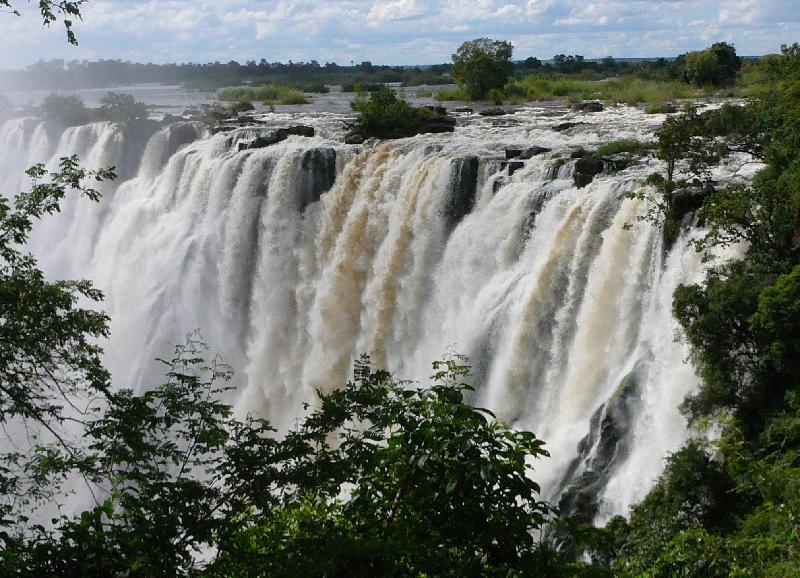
52 10
122 109
50 359
481 65
65 110
716 65
380 478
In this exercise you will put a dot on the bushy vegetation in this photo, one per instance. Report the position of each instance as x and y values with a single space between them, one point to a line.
451 94
626 90
383 114
267 93
624 146
65 110
482 65
716 66
122 109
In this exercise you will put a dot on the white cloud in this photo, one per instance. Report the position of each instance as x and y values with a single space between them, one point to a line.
397 31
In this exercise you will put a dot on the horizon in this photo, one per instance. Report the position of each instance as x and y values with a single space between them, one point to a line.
395 32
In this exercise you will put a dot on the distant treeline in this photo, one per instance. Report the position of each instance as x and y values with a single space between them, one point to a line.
308 76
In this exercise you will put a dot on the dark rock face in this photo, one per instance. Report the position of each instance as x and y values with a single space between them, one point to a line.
591 106
586 168
462 109
514 166
464 186
566 126
525 154
493 112
277 136
606 446
690 199
318 174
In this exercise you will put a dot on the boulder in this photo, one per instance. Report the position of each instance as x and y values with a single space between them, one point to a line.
277 136
463 189
690 199
586 168
566 126
590 106
493 112
514 166
525 154
462 109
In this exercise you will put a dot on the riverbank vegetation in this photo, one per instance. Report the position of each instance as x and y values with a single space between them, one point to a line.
269 93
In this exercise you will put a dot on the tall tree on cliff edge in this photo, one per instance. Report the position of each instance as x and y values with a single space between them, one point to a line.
481 65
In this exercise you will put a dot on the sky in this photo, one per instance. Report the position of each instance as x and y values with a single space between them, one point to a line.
394 31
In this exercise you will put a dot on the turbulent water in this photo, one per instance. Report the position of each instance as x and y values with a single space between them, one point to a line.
295 258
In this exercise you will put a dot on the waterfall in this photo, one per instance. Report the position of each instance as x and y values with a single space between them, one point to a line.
295 258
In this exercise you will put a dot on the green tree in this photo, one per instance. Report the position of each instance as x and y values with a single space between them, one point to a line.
381 478
52 10
49 355
382 112
716 65
122 109
65 110
482 64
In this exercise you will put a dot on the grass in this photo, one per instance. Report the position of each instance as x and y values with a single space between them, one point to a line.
424 93
448 94
266 93
661 108
627 89
625 145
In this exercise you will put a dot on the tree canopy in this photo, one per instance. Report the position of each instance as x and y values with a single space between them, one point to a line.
482 64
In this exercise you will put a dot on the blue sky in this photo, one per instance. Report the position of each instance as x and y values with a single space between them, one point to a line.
396 31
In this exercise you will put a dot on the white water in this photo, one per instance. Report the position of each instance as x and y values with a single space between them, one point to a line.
553 315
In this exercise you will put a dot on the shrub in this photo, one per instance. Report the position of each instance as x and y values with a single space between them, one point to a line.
451 94
65 110
268 92
241 106
623 146
122 109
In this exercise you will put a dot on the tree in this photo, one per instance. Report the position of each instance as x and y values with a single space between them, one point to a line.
381 478
65 110
716 65
482 64
122 109
49 355
51 10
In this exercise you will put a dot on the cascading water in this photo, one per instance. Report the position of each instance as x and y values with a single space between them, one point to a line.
295 258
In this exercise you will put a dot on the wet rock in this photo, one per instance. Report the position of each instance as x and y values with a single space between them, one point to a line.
499 183
590 106
464 187
318 173
355 138
690 199
586 168
278 135
493 112
525 154
512 166
607 444
462 109
566 126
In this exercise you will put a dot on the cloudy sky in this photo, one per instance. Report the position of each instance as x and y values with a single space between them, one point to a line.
395 31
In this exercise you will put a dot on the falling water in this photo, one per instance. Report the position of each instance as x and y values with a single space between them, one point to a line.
295 258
